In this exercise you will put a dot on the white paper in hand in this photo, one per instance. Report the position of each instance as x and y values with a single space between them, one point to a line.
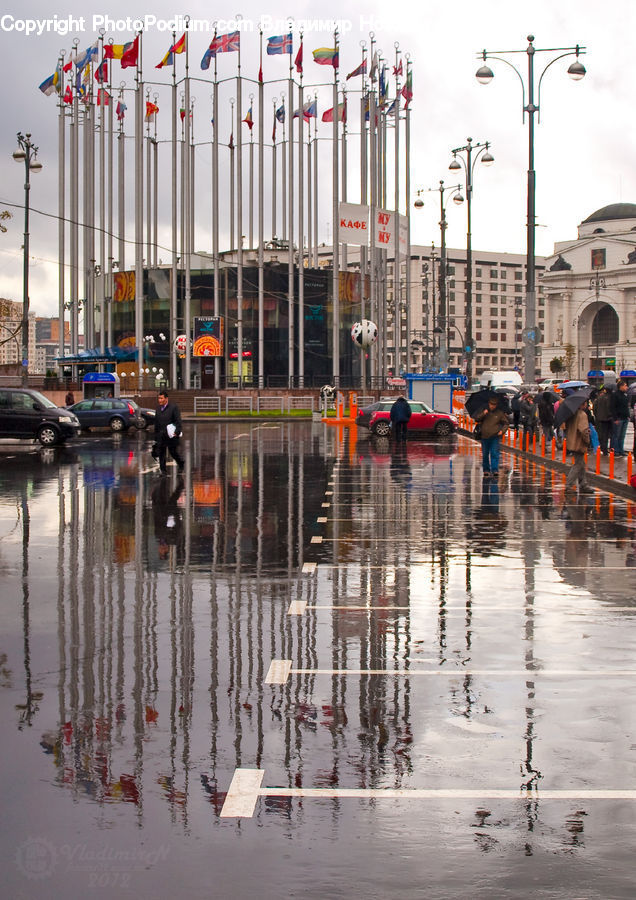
171 430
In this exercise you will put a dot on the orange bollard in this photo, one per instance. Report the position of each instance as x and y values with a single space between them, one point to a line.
534 442
610 474
527 441
553 449
565 452
543 445
630 462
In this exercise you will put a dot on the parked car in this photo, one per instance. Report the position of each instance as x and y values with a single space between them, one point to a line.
147 414
29 414
116 414
377 418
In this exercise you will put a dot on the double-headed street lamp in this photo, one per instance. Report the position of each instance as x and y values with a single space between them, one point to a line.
27 152
469 163
485 75
455 193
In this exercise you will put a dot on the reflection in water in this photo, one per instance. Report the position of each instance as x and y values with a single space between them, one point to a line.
173 597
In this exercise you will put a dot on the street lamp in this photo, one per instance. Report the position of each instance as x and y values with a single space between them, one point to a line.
455 193
485 75
487 159
26 153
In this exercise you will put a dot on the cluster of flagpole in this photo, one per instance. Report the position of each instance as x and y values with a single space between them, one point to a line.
87 108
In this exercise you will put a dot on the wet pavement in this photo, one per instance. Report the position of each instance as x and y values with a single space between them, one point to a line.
313 666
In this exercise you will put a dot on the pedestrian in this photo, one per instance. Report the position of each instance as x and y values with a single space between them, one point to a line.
620 417
167 433
545 412
515 405
529 418
69 400
400 415
577 440
603 417
494 423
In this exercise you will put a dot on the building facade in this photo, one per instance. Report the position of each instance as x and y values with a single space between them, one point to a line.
590 288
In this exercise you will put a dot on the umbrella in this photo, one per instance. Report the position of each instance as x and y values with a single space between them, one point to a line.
551 395
478 401
570 404
565 385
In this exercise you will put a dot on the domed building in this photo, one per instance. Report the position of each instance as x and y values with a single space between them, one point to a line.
590 295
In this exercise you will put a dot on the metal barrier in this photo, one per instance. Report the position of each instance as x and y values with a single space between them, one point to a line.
239 403
207 404
301 403
270 403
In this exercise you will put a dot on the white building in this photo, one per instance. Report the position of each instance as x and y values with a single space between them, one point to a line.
590 288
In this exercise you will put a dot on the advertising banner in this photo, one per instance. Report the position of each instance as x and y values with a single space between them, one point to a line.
208 336
354 224
384 229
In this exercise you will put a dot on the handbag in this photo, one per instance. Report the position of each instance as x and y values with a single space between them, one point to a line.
477 430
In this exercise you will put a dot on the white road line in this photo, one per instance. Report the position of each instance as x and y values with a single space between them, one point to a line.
297 608
242 795
279 670
316 539
308 568
447 794
328 493
325 505
322 519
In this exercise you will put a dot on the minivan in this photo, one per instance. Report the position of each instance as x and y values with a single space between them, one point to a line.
29 414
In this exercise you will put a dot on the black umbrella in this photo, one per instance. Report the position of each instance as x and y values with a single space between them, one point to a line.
478 401
570 404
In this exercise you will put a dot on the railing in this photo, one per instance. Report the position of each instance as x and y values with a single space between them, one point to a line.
300 403
270 403
207 404
239 403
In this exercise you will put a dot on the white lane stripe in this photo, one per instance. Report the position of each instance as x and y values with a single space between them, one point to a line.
279 670
316 539
325 505
308 568
322 519
243 793
447 793
489 673
297 608
457 611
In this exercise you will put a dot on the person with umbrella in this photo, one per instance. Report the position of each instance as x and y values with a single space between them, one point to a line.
620 417
571 411
493 423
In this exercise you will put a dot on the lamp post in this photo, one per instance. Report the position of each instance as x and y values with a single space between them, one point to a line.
455 193
27 152
487 159
485 75
596 283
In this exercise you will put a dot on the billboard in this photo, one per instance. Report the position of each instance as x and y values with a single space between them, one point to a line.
208 336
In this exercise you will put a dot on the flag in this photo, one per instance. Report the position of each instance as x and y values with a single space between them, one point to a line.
68 66
101 72
116 51
182 114
51 84
151 109
298 62
120 109
326 56
130 56
249 120
282 43
178 47
392 108
68 94
361 70
103 97
374 67
224 43
81 60
327 116
407 90
383 88
397 70
280 114
231 144
309 111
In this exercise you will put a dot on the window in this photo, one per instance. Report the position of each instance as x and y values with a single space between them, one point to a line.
493 273
518 288
451 270
518 275
478 299
478 273
478 336
494 323
478 323
451 308
451 296
478 285
503 274
493 285
494 311
493 336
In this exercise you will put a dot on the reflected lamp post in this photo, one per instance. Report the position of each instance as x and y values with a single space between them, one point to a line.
454 192
27 153
468 163
484 75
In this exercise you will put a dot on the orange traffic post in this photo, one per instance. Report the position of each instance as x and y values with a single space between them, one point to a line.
553 449
543 445
534 442
611 464
597 470
565 452
630 462
353 405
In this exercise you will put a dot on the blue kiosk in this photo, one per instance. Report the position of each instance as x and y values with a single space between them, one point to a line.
435 390
100 384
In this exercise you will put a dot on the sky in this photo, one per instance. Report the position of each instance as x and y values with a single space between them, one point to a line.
584 143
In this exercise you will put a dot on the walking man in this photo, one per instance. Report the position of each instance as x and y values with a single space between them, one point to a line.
603 417
577 441
494 422
167 433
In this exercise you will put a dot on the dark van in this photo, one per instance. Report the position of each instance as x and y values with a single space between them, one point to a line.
29 414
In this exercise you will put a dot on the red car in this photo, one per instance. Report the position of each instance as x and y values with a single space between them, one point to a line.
377 418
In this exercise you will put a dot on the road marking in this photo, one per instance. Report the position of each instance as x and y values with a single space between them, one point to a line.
297 608
279 670
309 568
316 539
242 795
322 519
325 505
328 493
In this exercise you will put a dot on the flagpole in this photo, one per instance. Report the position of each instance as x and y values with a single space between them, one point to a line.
87 234
148 174
121 193
397 316
407 205
364 261
274 174
139 218
215 213
155 191
61 188
104 94
232 180
316 186
172 333
261 224
239 222
251 183
301 234
373 194
186 188
335 230
283 173
344 164
74 225
109 276
310 213
290 235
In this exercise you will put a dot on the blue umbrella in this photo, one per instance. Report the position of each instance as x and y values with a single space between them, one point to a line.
572 384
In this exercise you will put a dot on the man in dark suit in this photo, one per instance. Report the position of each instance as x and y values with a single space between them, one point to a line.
167 433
